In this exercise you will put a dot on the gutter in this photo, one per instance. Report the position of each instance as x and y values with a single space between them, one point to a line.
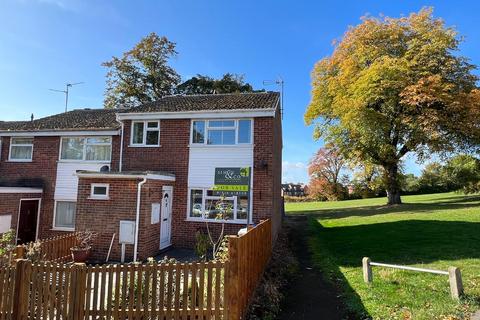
137 218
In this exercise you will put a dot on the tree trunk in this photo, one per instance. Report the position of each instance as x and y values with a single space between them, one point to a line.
392 185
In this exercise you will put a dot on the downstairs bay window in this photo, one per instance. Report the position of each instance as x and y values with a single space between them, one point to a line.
205 206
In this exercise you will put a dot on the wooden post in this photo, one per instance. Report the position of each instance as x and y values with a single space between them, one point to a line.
367 270
456 285
20 293
78 291
233 310
20 252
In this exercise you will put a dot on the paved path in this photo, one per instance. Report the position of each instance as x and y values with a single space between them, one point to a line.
309 296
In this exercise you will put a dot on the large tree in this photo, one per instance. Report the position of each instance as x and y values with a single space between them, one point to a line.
229 83
325 169
142 74
393 87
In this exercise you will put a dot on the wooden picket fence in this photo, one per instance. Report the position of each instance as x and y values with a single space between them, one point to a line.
55 249
187 291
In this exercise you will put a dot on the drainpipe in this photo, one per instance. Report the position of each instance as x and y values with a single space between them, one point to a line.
137 219
121 147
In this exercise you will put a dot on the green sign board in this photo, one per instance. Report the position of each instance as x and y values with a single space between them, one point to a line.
232 181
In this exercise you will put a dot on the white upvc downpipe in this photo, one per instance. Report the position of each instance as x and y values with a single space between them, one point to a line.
137 218
121 147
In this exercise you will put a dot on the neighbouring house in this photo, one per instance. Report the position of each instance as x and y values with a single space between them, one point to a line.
151 166
294 190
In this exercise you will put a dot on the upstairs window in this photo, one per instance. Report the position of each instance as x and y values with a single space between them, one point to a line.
222 132
145 133
21 149
86 148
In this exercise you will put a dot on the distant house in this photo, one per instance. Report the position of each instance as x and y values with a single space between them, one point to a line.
146 172
294 190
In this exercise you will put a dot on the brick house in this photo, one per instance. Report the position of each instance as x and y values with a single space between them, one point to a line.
150 166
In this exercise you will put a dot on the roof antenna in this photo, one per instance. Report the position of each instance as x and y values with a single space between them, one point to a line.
280 83
67 85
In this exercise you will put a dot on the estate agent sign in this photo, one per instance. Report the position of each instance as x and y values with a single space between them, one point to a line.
232 181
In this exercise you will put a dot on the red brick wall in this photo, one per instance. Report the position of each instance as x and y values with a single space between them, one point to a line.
41 171
10 204
171 156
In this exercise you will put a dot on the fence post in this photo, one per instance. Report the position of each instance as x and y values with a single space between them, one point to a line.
367 270
20 293
20 252
233 309
78 290
456 285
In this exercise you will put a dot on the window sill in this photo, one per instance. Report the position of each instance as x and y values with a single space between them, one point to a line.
98 198
217 221
84 161
13 160
242 145
144 146
63 229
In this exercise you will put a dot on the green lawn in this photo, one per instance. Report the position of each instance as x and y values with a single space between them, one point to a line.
433 231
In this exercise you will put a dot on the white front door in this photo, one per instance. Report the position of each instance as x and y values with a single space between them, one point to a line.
166 222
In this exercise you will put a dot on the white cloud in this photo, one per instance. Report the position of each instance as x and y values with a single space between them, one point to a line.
294 172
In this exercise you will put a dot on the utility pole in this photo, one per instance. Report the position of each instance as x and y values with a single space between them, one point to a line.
67 86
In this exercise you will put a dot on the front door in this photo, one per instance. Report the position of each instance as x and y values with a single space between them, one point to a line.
27 221
166 221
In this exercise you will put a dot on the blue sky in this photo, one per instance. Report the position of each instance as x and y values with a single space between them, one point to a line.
45 43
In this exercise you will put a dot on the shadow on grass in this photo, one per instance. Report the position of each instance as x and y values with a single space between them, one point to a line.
365 211
403 242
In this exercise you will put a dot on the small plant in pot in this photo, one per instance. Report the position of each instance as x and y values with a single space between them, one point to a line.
81 251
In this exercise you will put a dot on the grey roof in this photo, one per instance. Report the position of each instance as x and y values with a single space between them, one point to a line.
212 102
81 119
105 119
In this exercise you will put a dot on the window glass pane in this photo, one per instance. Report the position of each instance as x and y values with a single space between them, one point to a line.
65 214
94 140
196 203
152 124
218 210
100 191
242 207
228 137
198 132
152 138
214 137
72 149
244 131
22 140
138 133
99 153
21 153
221 123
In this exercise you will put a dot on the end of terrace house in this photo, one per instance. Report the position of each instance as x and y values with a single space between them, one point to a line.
152 166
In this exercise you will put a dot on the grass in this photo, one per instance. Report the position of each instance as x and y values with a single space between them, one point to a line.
432 231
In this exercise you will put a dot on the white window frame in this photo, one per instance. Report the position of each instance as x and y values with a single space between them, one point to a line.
94 196
20 145
205 197
55 214
144 138
84 151
208 128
